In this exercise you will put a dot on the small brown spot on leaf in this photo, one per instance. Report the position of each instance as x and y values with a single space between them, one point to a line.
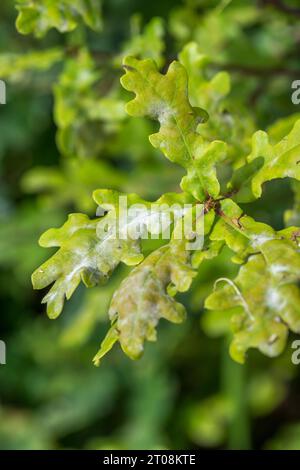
129 68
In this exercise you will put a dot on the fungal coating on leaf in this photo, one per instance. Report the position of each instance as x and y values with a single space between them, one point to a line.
38 16
90 250
268 303
143 298
267 162
165 98
262 303
82 255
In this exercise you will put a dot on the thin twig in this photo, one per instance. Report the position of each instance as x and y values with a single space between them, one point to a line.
280 5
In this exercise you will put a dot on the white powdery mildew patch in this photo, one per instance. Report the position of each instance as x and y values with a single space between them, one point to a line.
290 173
77 270
164 147
278 268
274 300
162 113
258 240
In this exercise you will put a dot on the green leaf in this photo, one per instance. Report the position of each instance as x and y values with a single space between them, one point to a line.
75 82
266 299
107 344
165 98
38 16
16 67
203 93
140 217
146 295
90 250
267 162
280 128
228 120
242 234
83 255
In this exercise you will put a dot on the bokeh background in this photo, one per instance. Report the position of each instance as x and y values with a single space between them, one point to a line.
56 147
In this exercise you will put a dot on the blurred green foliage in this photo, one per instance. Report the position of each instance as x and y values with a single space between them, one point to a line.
62 91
